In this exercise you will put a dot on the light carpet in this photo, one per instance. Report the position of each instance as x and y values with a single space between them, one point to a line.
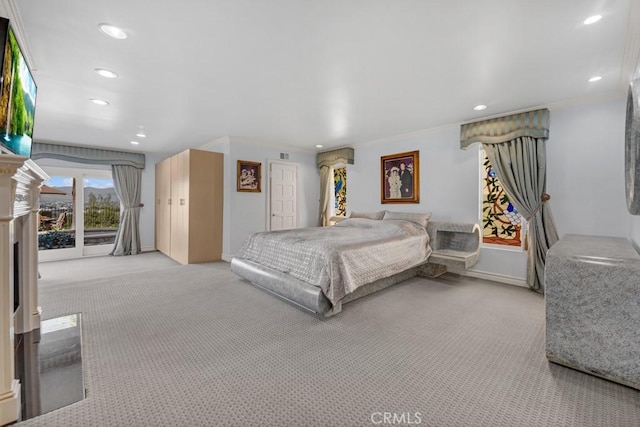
196 346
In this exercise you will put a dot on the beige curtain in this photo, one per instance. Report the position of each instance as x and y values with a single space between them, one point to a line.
127 183
520 165
326 193
326 160
515 146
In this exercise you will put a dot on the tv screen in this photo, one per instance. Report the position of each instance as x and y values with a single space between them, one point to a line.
17 99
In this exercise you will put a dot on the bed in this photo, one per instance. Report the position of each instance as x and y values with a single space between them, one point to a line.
321 268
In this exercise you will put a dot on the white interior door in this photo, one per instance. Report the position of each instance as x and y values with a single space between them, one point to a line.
283 196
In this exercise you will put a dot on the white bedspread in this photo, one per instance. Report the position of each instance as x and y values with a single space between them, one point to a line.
342 258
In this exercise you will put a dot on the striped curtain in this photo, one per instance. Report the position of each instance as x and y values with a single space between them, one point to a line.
333 157
516 148
94 156
534 124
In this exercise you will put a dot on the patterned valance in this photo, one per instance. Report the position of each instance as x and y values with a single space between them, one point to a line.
94 156
334 157
502 129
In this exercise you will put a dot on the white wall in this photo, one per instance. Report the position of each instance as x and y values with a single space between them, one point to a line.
246 213
585 174
449 187
585 178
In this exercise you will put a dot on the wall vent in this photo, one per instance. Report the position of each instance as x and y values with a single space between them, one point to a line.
284 156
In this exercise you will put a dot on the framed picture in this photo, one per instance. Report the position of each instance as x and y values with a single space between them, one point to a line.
249 176
400 178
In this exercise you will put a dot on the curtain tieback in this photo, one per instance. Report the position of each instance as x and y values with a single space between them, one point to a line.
544 198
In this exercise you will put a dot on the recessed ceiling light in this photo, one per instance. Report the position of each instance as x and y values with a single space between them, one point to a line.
592 19
106 73
112 31
141 135
135 142
595 79
319 145
99 101
480 107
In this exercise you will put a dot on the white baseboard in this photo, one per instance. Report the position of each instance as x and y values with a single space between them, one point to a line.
500 278
227 258
148 249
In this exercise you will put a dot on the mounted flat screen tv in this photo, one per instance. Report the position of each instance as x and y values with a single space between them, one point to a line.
17 96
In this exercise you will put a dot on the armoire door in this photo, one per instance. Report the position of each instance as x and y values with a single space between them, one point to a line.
163 207
180 207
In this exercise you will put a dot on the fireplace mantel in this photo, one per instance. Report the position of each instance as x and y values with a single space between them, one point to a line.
20 181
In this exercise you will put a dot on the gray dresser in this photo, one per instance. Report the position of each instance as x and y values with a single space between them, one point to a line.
592 300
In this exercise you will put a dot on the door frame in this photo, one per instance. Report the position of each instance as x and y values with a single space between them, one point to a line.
268 191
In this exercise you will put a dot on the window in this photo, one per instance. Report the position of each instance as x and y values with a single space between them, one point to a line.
501 222
79 213
57 215
340 191
101 211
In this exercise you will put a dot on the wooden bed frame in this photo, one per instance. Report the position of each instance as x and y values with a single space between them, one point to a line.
455 246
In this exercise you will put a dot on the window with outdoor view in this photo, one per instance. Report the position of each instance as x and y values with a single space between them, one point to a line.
57 215
101 211
78 210
501 222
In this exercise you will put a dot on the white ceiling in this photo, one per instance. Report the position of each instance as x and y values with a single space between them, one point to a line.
304 72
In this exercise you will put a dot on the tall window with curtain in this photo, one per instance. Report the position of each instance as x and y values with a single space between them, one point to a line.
127 177
516 150
326 162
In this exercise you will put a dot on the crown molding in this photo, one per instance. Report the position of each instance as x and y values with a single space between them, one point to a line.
269 144
403 136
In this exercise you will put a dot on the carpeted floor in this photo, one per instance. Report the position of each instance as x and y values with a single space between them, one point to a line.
196 346
58 272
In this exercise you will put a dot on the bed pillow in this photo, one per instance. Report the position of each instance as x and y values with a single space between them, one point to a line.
418 218
367 215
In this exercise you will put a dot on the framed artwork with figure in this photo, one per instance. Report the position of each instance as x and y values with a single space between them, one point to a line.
400 178
249 176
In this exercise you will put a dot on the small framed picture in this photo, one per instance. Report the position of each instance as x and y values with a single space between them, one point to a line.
400 178
249 176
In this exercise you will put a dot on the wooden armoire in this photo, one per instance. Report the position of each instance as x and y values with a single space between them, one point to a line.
189 190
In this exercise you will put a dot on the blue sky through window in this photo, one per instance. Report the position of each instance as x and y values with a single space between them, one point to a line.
65 181
98 182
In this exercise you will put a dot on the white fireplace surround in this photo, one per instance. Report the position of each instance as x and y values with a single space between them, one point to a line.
20 181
